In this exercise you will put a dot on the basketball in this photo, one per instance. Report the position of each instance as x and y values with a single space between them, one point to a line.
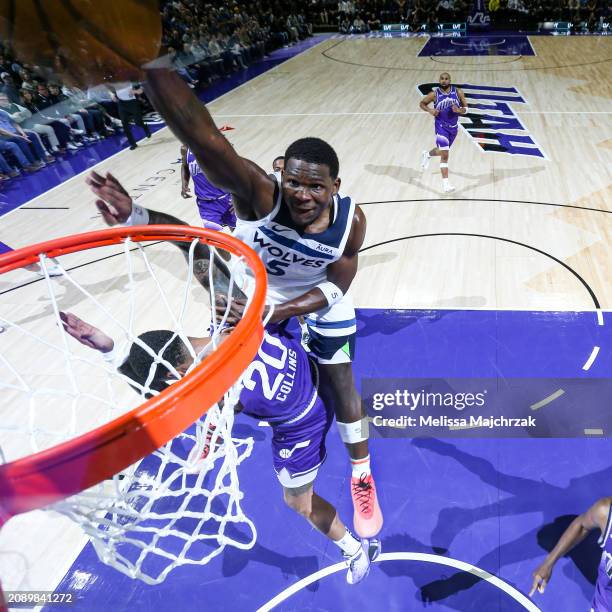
84 41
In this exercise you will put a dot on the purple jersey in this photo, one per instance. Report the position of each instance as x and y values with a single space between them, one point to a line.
602 601
278 383
214 205
444 102
204 189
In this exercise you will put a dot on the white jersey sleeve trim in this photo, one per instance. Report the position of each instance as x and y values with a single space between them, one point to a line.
270 215
349 222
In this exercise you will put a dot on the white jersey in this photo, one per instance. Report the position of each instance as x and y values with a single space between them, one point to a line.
296 261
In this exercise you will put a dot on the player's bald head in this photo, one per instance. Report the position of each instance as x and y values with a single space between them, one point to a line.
445 80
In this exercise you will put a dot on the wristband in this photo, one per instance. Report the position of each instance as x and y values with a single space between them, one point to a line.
332 292
116 357
139 216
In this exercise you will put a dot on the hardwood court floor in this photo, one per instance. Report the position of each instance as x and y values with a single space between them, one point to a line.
361 95
520 232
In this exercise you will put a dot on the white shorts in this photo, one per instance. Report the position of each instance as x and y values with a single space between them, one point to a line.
332 333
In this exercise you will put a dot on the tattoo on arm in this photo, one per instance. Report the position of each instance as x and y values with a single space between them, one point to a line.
201 258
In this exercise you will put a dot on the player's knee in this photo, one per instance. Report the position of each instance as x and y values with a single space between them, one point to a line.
299 501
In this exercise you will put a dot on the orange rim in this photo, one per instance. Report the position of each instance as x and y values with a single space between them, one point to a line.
67 468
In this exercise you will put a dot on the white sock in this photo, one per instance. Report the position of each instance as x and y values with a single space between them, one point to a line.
360 467
348 543
445 182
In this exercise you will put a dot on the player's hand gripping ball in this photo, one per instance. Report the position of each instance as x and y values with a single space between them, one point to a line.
85 42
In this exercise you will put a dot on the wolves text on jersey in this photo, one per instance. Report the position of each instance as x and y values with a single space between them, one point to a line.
283 257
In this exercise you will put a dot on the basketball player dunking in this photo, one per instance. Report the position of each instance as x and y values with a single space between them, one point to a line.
308 236
448 103
214 205
598 516
298 416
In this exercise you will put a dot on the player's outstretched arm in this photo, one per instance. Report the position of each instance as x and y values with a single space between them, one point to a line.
594 518
192 124
116 206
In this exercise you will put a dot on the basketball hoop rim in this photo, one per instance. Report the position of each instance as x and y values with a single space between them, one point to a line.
65 469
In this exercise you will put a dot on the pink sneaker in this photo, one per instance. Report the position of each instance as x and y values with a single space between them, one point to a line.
368 519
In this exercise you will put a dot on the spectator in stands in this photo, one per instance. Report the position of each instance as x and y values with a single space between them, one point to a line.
9 87
445 9
291 25
79 98
21 116
61 127
6 65
216 57
373 22
180 68
238 51
359 26
27 81
19 146
92 119
304 26
61 111
29 142
432 21
6 170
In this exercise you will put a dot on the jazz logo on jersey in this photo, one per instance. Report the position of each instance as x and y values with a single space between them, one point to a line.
490 121
286 453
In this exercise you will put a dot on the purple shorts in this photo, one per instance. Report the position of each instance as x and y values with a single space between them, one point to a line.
445 136
298 448
218 212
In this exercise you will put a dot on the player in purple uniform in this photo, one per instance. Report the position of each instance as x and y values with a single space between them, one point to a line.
598 516
214 205
280 387
448 103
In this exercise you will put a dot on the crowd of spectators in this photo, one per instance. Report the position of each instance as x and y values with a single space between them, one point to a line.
207 40
41 118
360 16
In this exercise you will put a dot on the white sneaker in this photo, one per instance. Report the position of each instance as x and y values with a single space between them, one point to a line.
425 160
448 188
358 566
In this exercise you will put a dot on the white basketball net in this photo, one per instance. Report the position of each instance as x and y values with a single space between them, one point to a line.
174 507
